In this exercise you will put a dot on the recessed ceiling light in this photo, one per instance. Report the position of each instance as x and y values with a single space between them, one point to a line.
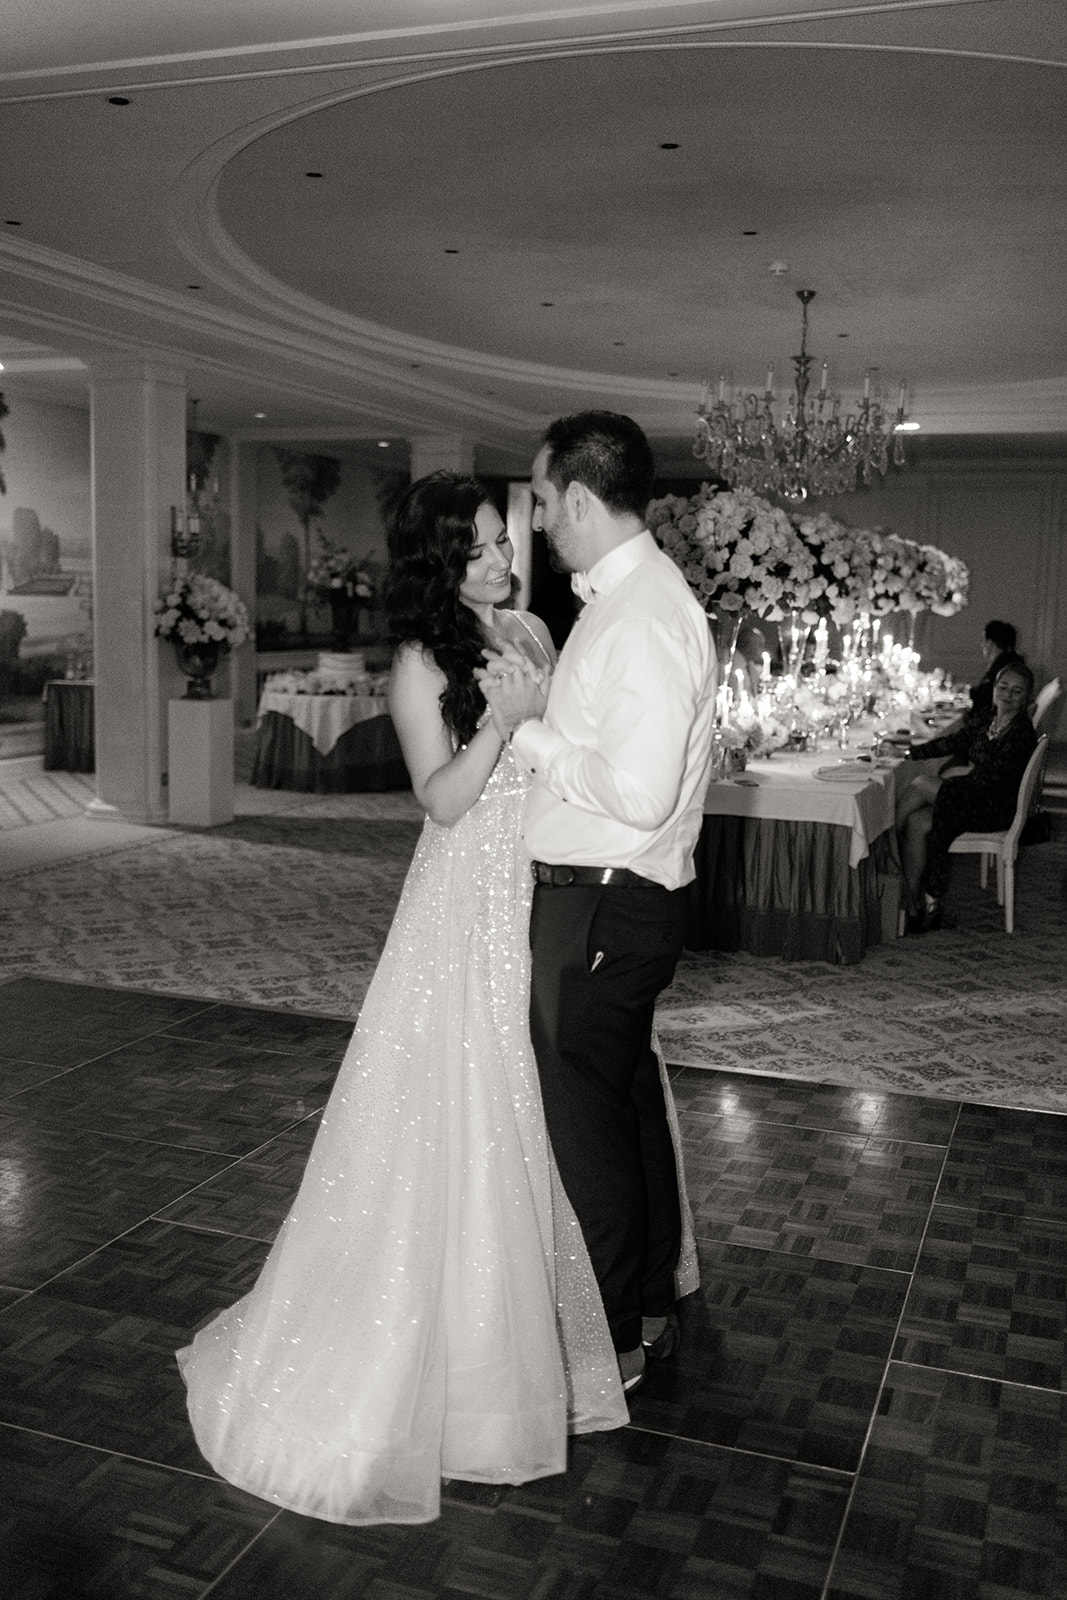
669 146
548 302
117 100
192 286
312 174
449 251
842 336
750 233
383 444
12 222
261 416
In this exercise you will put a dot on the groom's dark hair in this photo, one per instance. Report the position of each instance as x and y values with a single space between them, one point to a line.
608 454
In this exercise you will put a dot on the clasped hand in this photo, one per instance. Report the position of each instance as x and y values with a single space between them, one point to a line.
514 688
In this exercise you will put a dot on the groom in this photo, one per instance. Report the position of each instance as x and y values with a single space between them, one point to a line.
619 757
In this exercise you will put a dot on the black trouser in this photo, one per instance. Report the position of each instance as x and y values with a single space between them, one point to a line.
601 955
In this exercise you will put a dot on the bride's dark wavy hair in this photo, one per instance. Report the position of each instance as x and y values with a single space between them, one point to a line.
429 546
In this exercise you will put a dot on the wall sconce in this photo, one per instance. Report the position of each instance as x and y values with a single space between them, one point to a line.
185 526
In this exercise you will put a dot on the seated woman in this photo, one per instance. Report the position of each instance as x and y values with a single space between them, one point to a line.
980 792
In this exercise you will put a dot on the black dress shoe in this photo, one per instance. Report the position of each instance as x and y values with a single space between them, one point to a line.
933 917
666 1342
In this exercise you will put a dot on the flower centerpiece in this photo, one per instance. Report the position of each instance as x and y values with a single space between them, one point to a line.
337 578
736 551
204 621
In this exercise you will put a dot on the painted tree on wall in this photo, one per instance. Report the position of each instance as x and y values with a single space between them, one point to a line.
309 482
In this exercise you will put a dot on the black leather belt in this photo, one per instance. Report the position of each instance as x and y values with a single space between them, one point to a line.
563 877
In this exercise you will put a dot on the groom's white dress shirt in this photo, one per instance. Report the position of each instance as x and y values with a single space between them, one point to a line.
621 758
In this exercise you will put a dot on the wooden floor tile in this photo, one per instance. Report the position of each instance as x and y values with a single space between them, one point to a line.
961 1495
78 1524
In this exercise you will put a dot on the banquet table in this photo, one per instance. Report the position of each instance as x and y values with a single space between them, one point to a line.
795 865
326 743
69 741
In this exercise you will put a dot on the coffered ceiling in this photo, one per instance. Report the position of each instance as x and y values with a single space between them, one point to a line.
466 216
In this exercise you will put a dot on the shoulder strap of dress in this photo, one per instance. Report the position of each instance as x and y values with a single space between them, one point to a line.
520 618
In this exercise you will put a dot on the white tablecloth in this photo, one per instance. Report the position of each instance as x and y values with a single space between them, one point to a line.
324 717
785 787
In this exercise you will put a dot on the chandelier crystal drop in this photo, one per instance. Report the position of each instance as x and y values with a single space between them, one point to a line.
812 450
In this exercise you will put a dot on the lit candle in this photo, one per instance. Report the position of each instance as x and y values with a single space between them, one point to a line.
704 395
867 385
770 379
900 401
722 389
825 370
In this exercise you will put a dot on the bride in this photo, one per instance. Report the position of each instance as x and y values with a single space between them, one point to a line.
428 1309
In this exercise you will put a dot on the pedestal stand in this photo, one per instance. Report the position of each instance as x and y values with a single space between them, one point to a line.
200 762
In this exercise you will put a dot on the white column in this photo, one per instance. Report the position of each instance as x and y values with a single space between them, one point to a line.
243 576
430 452
520 532
138 473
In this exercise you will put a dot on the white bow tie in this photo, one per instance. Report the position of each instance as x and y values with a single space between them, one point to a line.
582 587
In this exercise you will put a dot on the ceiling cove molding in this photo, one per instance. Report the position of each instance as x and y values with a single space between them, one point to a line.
281 336
368 409
679 36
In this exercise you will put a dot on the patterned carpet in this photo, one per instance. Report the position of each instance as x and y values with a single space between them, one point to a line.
288 908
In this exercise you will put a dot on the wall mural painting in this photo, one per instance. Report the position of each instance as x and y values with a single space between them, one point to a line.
320 546
45 564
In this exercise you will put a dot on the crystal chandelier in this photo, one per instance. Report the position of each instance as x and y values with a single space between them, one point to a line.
813 450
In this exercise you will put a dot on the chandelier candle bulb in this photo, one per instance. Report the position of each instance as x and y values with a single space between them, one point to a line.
704 395
765 675
825 371
770 380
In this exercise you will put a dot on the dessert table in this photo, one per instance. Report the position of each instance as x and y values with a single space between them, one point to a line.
326 743
798 865
69 740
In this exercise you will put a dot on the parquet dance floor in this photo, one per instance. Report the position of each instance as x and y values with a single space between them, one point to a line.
869 1403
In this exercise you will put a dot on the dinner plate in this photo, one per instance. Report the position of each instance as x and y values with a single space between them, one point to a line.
846 772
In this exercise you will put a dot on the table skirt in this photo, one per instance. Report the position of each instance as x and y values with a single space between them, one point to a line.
68 727
786 889
367 757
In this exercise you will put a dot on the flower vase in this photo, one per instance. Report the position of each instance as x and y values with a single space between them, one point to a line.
798 641
344 614
725 627
199 663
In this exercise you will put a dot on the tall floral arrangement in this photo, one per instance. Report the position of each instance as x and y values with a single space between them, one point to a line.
740 553
736 551
335 571
197 610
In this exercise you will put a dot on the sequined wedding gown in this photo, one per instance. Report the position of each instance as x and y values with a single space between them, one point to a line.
428 1309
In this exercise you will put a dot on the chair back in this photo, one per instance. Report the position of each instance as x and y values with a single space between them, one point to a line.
1046 699
1029 790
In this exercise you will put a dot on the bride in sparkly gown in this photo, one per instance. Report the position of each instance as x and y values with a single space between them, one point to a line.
428 1310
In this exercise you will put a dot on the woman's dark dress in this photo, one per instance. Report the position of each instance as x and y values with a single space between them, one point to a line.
981 799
